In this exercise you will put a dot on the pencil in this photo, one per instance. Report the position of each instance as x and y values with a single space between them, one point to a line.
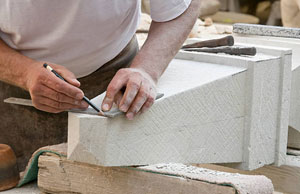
60 77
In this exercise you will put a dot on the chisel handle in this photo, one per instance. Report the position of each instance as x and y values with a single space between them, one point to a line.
225 41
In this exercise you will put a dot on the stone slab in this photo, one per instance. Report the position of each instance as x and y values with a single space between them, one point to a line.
283 43
179 126
214 108
264 30
277 104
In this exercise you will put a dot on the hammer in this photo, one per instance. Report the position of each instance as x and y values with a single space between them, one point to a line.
225 41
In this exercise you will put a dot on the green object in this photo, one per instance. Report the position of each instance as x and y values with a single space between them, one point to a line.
32 172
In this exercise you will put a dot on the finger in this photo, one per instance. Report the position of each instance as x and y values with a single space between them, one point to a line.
118 98
149 103
54 95
138 102
54 104
68 76
131 91
116 84
61 86
46 108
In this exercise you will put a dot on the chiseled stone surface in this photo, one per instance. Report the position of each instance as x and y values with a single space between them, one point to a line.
264 30
283 43
214 108
201 113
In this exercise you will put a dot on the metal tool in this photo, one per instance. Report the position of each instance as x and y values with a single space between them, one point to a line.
232 50
111 114
225 41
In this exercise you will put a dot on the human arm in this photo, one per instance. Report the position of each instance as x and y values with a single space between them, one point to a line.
163 42
48 93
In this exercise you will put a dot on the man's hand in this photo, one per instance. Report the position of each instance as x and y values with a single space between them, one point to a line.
139 95
51 94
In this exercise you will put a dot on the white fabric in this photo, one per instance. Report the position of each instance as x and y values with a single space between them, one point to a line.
82 35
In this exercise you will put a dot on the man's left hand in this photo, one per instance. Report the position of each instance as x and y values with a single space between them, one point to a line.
139 95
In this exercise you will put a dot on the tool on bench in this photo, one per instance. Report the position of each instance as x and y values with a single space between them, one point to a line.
222 45
110 114
225 41
9 173
232 50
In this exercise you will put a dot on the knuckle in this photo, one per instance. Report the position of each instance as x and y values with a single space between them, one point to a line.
121 72
58 86
144 94
59 97
151 99
35 89
54 104
60 105
111 90
134 84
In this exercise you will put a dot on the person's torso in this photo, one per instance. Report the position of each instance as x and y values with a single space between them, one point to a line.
79 34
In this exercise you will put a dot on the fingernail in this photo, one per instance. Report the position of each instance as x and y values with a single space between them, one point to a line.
105 107
77 102
79 96
130 115
75 80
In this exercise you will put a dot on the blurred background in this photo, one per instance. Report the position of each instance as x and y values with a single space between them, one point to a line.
217 16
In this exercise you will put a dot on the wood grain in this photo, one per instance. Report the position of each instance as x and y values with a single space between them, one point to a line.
58 175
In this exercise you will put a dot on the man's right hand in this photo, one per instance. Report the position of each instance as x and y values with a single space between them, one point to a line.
51 94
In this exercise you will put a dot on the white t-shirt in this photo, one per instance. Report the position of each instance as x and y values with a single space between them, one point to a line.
82 35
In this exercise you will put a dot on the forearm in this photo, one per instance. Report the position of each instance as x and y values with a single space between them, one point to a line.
13 66
164 41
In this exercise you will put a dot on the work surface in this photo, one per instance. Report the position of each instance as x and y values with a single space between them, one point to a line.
285 179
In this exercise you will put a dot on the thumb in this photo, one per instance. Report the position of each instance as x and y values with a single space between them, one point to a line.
68 76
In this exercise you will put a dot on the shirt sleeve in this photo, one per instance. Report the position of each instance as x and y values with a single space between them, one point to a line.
166 10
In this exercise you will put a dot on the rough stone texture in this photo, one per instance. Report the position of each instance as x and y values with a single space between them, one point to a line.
195 110
288 43
244 184
266 112
263 30
210 113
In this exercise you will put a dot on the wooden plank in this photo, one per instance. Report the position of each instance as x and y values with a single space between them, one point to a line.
58 175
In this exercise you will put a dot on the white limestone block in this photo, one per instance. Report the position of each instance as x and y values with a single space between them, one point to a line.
216 109
267 111
288 43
